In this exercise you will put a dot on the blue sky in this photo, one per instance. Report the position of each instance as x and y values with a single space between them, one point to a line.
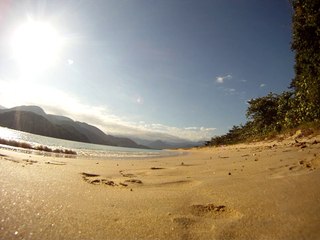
156 68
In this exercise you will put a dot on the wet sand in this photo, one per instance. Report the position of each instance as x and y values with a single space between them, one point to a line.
268 190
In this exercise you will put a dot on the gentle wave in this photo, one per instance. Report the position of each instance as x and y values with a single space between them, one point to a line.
84 149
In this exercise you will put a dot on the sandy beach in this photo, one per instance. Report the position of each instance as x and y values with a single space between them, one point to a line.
267 190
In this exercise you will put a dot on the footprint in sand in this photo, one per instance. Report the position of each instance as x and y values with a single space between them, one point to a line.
213 211
201 210
96 179
200 218
302 167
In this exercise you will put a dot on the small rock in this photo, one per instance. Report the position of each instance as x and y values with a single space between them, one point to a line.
229 173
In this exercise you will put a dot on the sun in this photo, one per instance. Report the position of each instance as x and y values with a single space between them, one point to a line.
35 45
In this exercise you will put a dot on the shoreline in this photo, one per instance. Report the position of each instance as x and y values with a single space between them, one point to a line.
265 190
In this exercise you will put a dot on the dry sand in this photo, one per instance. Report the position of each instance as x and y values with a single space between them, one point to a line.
267 190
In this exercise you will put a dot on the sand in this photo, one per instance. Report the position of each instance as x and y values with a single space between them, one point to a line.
268 190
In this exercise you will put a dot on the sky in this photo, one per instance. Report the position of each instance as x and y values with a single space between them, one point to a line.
151 68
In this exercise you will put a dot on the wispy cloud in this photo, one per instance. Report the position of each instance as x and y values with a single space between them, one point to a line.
61 103
262 85
229 91
190 133
70 61
221 79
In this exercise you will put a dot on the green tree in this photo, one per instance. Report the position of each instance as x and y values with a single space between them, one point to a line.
306 44
263 112
285 115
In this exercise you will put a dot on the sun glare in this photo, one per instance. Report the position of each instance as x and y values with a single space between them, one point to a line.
35 46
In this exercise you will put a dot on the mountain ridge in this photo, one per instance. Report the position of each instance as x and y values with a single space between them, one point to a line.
34 119
167 144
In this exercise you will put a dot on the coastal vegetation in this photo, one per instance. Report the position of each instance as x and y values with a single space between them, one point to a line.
38 148
298 107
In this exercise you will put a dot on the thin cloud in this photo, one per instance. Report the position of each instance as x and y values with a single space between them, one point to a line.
262 85
221 79
191 128
199 129
190 133
229 91
70 62
139 100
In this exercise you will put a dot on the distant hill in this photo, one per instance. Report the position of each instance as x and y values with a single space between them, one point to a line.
163 144
33 119
159 144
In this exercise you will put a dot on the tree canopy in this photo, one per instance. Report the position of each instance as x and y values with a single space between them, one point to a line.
306 45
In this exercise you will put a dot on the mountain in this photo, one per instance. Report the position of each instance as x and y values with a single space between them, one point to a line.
34 123
33 119
159 144
165 144
33 109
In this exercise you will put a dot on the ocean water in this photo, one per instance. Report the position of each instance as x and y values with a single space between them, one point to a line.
87 150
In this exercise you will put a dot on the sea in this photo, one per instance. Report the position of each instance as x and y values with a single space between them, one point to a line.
83 150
